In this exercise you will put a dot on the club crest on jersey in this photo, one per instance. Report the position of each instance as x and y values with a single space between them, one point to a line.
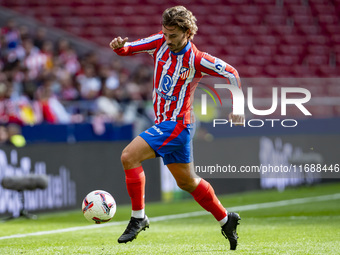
184 72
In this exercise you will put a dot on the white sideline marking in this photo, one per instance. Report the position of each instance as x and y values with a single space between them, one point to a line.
187 215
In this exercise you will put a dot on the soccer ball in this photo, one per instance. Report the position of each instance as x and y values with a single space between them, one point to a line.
99 206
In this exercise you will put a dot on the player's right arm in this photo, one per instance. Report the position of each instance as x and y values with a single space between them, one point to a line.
124 48
118 42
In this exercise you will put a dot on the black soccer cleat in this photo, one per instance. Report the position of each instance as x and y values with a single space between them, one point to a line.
229 229
132 230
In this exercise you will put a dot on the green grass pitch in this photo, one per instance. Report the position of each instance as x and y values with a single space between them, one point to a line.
309 226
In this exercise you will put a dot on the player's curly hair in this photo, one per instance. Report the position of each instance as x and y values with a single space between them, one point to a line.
181 17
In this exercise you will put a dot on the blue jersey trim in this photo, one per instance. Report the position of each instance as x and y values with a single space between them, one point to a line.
184 50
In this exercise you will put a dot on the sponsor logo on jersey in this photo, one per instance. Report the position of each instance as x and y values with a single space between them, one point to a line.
166 97
164 87
165 84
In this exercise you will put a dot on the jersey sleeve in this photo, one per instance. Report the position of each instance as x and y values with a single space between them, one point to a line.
147 45
210 65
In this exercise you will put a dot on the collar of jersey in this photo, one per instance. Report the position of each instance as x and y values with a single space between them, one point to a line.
184 50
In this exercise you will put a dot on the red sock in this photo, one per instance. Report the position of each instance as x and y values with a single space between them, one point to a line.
204 195
135 183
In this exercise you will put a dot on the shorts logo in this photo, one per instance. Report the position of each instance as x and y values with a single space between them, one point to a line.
158 130
166 83
149 133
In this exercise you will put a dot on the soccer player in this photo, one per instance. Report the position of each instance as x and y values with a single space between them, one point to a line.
178 66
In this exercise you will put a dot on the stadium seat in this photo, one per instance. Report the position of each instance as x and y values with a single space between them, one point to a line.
308 29
84 11
77 30
233 60
237 50
258 60
243 40
323 2
286 60
233 2
318 39
250 9
201 19
208 2
292 2
233 29
335 39
267 40
299 10
336 49
41 11
323 9
211 49
274 10
329 71
275 19
265 50
331 29
222 9
304 20
294 39
200 9
304 71
248 19
200 40
318 49
261 2
209 30
250 71
317 60
278 70
292 49
283 29
329 19
257 29
219 19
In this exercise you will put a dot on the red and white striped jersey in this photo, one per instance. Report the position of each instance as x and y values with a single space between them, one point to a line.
176 75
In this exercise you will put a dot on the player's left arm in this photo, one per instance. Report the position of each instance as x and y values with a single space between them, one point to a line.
148 45
216 67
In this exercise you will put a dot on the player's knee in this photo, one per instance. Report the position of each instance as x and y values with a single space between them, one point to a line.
127 159
187 185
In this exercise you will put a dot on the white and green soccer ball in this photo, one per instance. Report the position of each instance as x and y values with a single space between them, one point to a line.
99 206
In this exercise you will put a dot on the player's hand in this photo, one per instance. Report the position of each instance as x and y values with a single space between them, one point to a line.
118 42
237 120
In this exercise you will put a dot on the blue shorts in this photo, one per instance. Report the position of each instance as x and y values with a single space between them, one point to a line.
171 140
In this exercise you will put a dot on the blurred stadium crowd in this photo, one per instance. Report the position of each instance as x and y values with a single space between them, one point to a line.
45 81
48 81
